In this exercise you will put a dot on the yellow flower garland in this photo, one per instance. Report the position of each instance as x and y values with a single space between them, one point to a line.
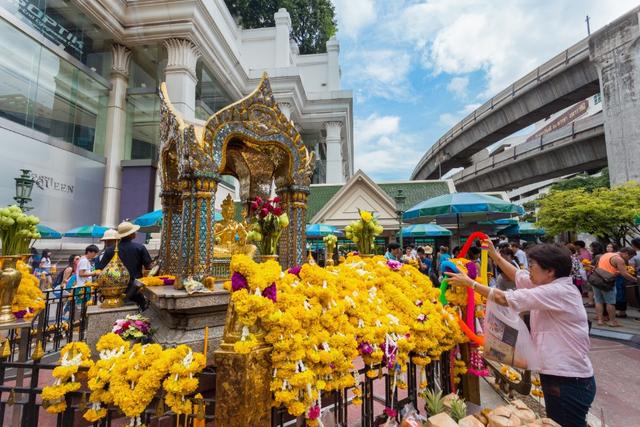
323 319
181 380
73 356
28 297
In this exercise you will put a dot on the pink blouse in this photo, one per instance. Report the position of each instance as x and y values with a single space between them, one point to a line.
559 327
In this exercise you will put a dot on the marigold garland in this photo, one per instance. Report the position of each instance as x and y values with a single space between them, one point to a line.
29 299
181 380
322 320
73 356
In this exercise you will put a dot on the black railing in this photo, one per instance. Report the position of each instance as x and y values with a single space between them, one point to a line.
61 321
25 403
339 406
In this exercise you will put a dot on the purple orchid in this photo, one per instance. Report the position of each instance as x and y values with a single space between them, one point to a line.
271 292
238 281
365 348
295 270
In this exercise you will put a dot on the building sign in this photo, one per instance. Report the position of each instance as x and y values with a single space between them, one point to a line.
49 183
49 24
562 120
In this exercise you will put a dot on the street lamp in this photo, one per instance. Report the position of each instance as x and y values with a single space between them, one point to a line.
24 185
400 199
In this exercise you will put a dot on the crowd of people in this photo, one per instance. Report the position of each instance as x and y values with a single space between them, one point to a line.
550 286
82 269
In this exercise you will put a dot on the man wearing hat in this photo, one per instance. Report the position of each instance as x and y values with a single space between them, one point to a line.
133 255
110 238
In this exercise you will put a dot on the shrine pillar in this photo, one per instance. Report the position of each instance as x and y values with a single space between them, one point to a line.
292 241
198 221
170 237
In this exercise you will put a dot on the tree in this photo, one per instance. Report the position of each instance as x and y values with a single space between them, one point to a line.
312 21
607 213
585 181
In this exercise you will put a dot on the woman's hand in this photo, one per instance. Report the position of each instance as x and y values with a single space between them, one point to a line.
491 249
459 279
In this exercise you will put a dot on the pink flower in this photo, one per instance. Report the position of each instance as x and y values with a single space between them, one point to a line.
264 212
276 199
394 265
391 413
277 211
258 200
314 412
254 206
295 270
271 292
238 281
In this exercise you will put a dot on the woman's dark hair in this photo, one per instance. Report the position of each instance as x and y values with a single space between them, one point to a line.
614 246
46 253
635 242
597 248
474 251
393 246
506 251
580 244
72 258
551 257
34 251
455 251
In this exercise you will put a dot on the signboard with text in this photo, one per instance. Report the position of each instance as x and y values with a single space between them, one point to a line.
563 119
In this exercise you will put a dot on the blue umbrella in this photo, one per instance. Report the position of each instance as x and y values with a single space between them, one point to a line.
425 230
93 231
321 230
48 232
450 208
522 229
151 222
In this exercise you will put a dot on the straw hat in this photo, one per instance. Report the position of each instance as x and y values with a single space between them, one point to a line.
428 250
110 234
126 228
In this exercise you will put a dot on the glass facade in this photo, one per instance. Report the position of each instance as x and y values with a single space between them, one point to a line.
42 91
143 124
210 97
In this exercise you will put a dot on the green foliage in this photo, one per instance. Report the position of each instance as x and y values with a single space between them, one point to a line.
589 183
458 409
607 213
312 21
434 402
530 210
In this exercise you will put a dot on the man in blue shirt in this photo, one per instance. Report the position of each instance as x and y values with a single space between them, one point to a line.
394 252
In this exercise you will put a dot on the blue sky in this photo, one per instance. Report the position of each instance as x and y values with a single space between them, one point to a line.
417 67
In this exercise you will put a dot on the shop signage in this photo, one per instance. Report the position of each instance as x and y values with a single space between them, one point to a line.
562 120
48 183
50 27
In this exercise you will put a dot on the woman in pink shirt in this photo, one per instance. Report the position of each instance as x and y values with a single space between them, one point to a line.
559 327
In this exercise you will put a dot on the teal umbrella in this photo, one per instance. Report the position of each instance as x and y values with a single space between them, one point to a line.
425 230
523 229
470 207
93 231
151 222
48 232
321 230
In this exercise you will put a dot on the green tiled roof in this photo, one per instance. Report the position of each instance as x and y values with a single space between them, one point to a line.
416 192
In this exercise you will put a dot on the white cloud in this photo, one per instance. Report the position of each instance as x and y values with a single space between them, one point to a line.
503 39
381 73
383 151
458 86
451 119
354 15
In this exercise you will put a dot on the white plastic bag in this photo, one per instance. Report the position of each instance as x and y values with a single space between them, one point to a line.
507 339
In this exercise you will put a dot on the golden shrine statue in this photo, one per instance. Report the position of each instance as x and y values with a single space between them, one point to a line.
231 235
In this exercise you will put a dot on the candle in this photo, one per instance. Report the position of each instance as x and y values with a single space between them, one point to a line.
205 347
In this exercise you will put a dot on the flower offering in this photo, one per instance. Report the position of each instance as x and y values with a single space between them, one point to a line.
133 327
363 232
269 219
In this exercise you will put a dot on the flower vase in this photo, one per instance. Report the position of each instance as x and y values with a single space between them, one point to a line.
10 279
113 282
265 258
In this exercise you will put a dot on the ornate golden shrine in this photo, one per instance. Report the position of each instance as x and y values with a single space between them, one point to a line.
251 140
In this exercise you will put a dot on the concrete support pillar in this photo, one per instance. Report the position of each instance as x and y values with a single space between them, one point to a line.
334 152
283 32
115 135
333 66
286 108
615 50
180 75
